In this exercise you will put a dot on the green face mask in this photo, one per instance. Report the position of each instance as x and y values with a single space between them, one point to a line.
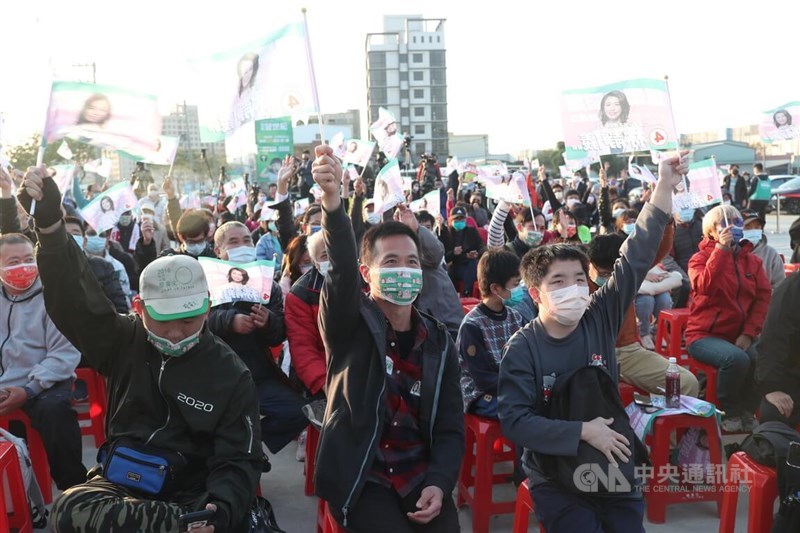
399 286
174 349
459 225
517 294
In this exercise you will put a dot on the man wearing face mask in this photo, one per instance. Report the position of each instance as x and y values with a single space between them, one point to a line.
103 270
754 233
487 328
462 248
37 363
172 385
250 330
393 439
574 330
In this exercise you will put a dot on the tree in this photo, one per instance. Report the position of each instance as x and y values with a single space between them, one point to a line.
24 155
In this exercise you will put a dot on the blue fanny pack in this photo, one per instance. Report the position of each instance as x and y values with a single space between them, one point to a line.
142 468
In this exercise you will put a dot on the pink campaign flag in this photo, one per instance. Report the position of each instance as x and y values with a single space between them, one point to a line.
238 282
388 187
781 123
103 212
104 116
703 183
358 152
387 132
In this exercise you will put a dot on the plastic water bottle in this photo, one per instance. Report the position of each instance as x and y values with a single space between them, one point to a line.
673 387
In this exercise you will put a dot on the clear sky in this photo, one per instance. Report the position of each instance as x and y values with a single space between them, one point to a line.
507 61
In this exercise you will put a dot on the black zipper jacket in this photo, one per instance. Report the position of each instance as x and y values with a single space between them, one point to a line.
354 333
202 404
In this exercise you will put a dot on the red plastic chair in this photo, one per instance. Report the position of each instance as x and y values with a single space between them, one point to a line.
41 468
484 233
468 304
20 519
325 521
669 334
658 494
523 509
312 439
98 405
696 367
790 268
762 484
485 447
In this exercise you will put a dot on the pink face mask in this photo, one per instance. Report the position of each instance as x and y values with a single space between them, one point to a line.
572 231
20 277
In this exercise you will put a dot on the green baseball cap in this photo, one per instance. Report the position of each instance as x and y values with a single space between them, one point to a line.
174 287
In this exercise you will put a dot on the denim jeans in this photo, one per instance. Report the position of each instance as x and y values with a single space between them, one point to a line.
736 387
647 309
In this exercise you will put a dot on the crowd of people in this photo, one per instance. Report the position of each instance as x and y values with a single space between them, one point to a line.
371 342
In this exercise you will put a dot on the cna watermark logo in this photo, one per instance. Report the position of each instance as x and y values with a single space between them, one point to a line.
591 477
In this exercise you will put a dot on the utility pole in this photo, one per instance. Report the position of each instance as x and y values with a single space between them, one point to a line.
188 140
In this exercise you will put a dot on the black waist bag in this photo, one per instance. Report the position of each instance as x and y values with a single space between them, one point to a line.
142 468
583 395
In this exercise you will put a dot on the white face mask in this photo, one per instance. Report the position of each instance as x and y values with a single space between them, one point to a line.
373 218
242 254
567 305
323 267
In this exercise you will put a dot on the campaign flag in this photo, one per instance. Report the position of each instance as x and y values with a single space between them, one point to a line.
233 187
274 141
239 199
640 172
657 156
583 162
452 165
512 189
238 282
386 131
358 152
430 203
190 201
776 124
164 154
267 78
101 167
104 116
703 183
338 145
618 118
468 171
103 212
63 177
301 206
388 187
352 172
267 213
64 150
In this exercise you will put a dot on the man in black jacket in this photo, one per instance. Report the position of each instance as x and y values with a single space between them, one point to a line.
393 438
463 247
172 385
251 329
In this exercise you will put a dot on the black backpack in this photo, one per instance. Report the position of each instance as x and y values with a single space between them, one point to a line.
582 395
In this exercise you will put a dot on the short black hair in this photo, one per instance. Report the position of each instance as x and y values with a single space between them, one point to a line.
572 192
496 266
76 221
536 262
424 216
193 222
526 215
312 210
758 167
382 231
14 238
604 250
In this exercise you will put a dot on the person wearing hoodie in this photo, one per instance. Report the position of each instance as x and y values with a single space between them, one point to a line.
37 363
251 329
730 297
754 233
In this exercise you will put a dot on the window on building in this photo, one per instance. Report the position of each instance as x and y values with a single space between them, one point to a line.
403 113
419 129
403 94
440 148
419 93
418 75
438 38
438 76
414 39
403 75
421 148
436 58
373 113
403 58
438 95
430 38
419 111
438 112
416 58
377 78
377 95
377 60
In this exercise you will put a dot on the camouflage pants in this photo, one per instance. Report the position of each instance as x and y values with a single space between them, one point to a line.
99 506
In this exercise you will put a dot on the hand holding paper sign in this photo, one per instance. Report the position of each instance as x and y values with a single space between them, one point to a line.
39 186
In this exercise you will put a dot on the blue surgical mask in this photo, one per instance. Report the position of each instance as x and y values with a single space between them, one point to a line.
78 239
617 213
752 235
373 218
737 234
459 225
517 294
686 215
272 227
600 280
315 228
242 254
95 245
195 249
629 228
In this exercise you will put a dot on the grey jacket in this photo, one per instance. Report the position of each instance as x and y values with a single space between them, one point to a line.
438 296
773 264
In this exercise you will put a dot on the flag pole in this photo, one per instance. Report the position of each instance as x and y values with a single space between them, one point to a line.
313 76
39 161
678 140
172 164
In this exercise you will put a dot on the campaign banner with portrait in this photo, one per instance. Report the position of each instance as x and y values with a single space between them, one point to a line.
238 282
431 203
388 187
164 154
512 189
640 172
103 116
274 141
103 212
618 118
776 124
358 152
63 177
386 131
264 79
703 183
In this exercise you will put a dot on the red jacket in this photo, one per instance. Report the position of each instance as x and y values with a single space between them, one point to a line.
730 293
305 343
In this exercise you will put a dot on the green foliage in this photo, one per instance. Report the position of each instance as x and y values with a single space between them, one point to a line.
24 155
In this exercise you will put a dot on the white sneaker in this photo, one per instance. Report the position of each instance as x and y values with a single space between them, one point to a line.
300 454
647 342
